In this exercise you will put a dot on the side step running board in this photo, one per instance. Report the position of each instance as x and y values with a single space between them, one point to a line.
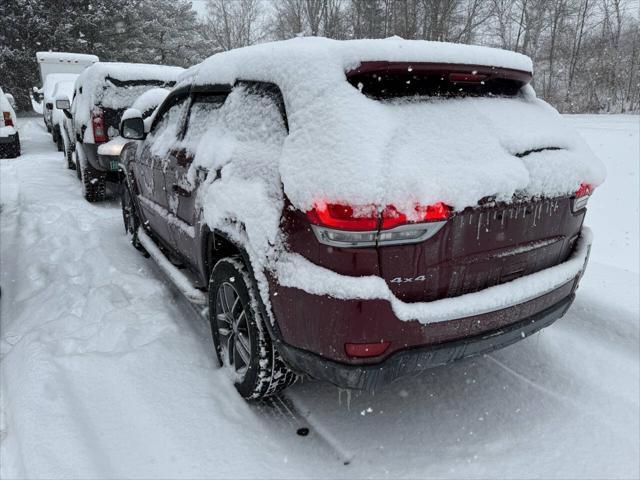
179 279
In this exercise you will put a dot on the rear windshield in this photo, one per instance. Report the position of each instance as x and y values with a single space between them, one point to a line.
383 80
118 94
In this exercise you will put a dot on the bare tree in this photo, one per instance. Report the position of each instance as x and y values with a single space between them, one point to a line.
232 24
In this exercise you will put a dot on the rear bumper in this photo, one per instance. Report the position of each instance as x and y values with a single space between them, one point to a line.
102 163
312 329
405 362
11 138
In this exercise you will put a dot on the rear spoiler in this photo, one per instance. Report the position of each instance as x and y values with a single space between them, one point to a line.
466 73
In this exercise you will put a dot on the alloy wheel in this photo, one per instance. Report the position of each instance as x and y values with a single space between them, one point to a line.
233 328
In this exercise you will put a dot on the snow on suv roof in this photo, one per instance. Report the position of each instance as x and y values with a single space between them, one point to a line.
346 147
322 56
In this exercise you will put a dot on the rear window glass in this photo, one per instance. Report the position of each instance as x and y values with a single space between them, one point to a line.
119 94
408 81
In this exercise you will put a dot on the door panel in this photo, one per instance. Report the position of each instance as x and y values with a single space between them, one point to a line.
181 196
154 162
152 196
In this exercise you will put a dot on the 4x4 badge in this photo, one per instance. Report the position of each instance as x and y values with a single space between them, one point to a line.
419 278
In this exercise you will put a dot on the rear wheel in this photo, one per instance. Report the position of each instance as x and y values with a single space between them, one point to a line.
94 184
10 150
239 333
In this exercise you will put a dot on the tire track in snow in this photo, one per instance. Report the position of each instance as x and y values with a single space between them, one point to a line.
595 416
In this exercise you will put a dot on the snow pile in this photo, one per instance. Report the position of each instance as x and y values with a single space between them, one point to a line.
101 85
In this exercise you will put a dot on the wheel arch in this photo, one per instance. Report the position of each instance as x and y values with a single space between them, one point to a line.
217 245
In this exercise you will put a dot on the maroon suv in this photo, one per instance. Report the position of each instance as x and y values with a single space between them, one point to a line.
352 292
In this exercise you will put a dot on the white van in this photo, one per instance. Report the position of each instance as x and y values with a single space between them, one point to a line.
58 62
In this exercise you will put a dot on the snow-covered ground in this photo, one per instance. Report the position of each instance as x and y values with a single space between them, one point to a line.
106 371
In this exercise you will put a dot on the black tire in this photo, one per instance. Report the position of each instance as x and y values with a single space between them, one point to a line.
59 141
246 347
68 153
77 164
130 217
94 184
10 150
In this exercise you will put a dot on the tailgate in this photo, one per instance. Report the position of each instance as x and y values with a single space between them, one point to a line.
482 247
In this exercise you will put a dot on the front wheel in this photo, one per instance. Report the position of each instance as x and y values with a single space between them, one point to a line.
68 153
130 217
59 141
240 336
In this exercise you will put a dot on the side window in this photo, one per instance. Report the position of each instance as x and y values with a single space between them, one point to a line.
246 126
203 114
166 126
255 112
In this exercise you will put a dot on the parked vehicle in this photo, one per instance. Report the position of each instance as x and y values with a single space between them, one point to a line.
60 133
144 106
9 137
49 95
359 210
57 63
102 93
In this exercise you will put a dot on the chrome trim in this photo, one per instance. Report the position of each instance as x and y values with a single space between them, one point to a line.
429 229
579 203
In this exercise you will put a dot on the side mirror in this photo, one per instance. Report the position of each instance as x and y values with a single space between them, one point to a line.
63 103
132 125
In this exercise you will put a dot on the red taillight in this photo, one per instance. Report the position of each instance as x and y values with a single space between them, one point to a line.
581 197
364 218
433 213
584 190
366 349
344 217
97 121
8 121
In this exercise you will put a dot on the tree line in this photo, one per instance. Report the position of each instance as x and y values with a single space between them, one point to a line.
586 52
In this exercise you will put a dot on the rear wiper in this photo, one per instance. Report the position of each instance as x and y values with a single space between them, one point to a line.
536 150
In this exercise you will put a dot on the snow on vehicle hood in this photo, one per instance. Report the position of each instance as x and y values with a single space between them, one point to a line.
345 147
